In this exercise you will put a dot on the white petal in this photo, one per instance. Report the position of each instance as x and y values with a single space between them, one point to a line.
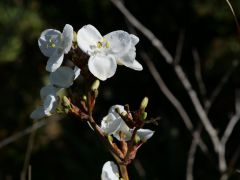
63 77
77 72
87 38
47 90
128 58
135 65
145 134
44 41
113 110
110 171
125 130
50 104
37 113
55 61
134 39
102 67
67 38
110 124
119 42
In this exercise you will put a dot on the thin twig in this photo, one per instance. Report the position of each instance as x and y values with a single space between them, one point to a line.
26 131
179 48
220 85
198 74
175 102
228 131
191 158
28 155
234 15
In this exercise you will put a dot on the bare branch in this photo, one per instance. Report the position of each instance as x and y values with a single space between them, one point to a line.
234 15
198 74
27 131
179 48
221 84
191 157
175 102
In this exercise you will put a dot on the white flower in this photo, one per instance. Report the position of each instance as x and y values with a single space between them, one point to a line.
117 47
50 102
112 124
54 45
64 76
110 171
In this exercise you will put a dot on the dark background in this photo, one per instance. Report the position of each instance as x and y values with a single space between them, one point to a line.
68 149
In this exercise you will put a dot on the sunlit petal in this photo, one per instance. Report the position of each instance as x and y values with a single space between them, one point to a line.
87 38
48 41
102 67
67 36
110 171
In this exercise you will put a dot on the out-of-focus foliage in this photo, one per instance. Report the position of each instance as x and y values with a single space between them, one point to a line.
68 149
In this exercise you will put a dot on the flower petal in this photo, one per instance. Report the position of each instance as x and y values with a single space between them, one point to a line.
37 113
145 134
50 104
55 61
110 124
134 39
67 38
47 90
119 42
77 72
44 42
87 38
63 77
135 65
110 171
102 67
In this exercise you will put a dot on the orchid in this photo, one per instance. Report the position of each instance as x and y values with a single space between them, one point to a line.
117 47
110 171
50 102
54 44
112 124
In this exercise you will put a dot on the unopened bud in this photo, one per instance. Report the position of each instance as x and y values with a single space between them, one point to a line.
144 103
84 97
66 101
137 139
143 116
95 85
124 113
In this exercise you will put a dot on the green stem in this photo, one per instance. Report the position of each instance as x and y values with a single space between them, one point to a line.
124 172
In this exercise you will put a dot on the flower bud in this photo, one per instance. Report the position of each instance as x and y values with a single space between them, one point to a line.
143 116
95 85
144 103
137 139
84 98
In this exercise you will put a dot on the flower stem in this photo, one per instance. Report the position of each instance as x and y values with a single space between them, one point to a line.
124 172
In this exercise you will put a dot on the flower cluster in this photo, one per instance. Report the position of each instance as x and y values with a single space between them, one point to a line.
102 54
105 52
